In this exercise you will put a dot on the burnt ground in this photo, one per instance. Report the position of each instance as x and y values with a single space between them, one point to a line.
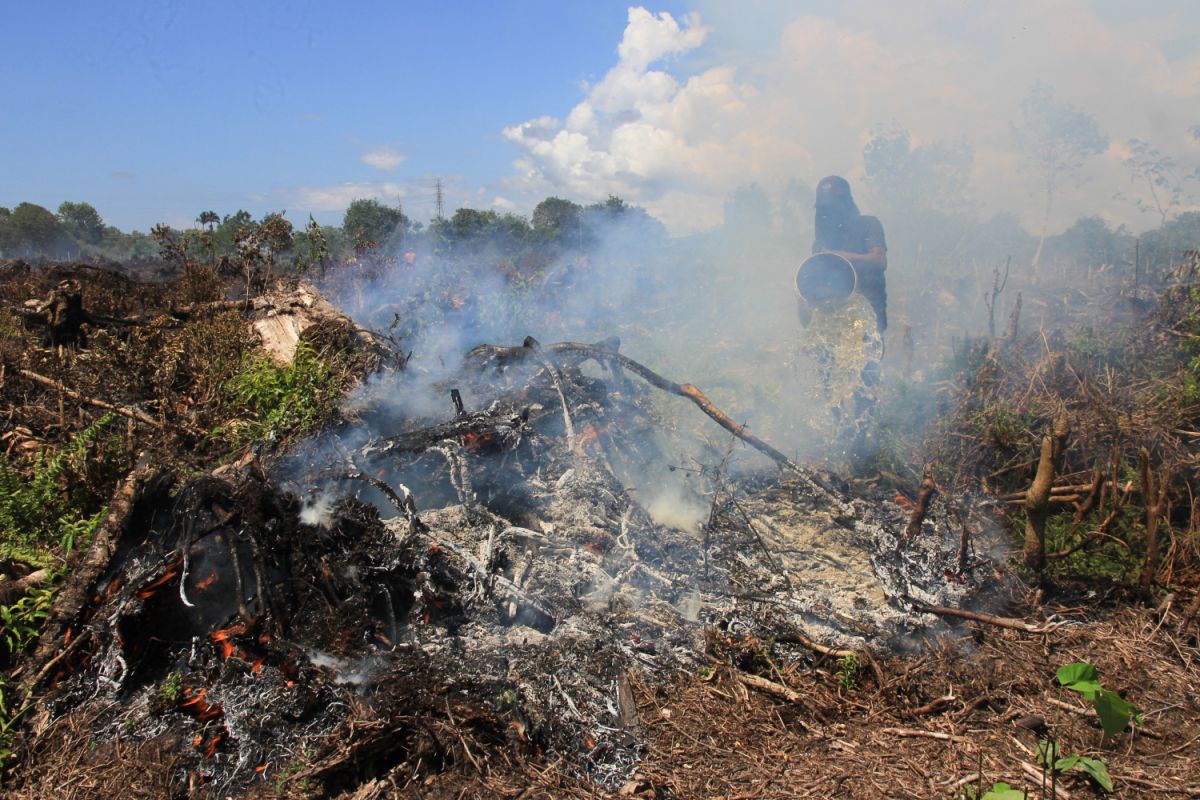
558 642
713 737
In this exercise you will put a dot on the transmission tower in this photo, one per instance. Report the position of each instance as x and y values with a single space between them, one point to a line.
440 209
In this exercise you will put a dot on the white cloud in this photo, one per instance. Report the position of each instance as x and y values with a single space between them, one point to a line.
384 158
337 197
780 94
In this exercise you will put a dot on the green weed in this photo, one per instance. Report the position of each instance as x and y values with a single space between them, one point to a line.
274 400
40 515
847 674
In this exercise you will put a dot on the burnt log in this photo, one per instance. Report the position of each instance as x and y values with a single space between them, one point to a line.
84 570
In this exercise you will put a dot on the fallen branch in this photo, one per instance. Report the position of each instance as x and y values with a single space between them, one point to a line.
989 619
911 733
85 569
795 637
770 687
1040 775
13 590
125 411
485 354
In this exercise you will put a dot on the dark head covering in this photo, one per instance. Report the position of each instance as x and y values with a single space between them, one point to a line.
834 191
835 211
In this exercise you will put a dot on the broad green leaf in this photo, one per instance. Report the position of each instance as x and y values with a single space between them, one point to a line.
1113 710
1095 768
1089 689
1002 791
1078 672
1064 764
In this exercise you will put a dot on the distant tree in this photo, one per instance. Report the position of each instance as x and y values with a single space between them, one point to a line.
371 220
1157 182
932 176
1057 138
208 219
316 247
556 217
34 230
275 233
1166 246
1090 242
82 221
238 219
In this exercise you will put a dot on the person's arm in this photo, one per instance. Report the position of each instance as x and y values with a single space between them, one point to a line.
873 244
875 257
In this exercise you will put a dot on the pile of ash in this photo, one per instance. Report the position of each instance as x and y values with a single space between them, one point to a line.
497 569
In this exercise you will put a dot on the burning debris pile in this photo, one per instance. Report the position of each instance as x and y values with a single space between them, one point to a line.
501 569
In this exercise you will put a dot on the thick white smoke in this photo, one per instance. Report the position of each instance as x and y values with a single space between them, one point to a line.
694 109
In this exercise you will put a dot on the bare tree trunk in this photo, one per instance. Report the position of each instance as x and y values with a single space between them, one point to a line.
1037 501
1037 256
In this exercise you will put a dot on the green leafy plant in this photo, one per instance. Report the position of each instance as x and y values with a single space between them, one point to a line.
1113 710
274 399
847 674
37 509
171 687
1095 768
999 791
22 621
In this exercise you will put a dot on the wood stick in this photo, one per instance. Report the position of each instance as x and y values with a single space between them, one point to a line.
125 411
912 733
921 507
13 590
602 354
770 687
1154 495
795 637
990 619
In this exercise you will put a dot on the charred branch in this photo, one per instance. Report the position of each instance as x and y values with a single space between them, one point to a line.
921 506
124 411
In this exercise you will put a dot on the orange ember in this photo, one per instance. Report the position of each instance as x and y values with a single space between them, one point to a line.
207 582
149 591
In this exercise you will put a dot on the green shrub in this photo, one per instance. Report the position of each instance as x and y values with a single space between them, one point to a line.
270 399
43 507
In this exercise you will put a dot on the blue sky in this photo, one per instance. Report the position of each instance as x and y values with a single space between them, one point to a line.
157 111
150 110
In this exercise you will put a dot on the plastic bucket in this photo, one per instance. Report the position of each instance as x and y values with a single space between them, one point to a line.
825 278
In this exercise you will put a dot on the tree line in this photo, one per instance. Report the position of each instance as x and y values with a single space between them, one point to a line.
556 228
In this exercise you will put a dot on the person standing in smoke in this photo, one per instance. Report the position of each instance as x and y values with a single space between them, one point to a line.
844 311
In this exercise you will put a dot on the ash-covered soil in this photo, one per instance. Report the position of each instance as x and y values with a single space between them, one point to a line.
501 600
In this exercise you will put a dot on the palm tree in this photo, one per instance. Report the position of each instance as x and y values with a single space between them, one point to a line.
209 218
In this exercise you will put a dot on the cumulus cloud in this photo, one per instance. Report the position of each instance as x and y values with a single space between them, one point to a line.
384 158
692 110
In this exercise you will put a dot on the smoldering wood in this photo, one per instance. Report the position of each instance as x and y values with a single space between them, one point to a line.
921 506
85 568
492 355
